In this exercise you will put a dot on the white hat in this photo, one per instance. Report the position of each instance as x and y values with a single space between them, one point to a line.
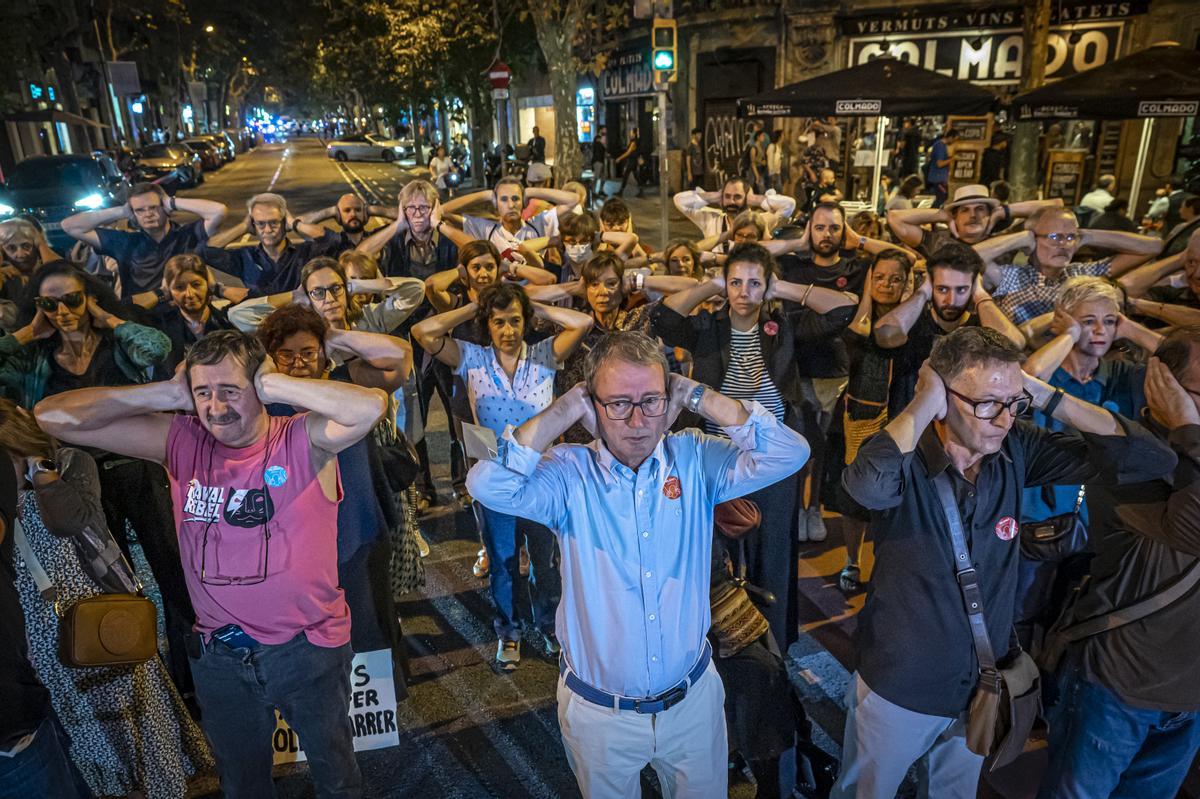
974 193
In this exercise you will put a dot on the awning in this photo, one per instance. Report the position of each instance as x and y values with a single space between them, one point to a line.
881 87
51 115
1160 81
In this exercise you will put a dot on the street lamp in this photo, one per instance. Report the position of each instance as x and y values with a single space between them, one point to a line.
209 29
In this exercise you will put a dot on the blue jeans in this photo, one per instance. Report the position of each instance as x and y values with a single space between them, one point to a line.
239 689
1100 746
511 593
43 768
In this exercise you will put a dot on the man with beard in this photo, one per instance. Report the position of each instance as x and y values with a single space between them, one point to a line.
830 255
939 305
509 229
1053 235
734 198
256 501
352 215
142 252
274 264
970 218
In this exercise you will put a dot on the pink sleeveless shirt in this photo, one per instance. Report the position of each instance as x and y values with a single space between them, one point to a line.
254 511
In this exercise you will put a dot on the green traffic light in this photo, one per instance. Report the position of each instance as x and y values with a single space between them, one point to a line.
664 59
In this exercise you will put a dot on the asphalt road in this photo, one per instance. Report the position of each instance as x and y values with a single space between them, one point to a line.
465 730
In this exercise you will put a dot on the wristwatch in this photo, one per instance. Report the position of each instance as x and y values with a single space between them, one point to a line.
693 402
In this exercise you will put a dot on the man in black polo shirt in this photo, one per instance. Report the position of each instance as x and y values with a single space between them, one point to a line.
273 266
33 747
951 296
831 255
917 666
971 217
142 252
353 215
1126 724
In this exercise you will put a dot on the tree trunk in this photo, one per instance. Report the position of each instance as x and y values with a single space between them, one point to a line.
555 37
1023 172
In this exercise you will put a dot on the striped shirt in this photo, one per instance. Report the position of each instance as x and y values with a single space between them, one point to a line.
747 377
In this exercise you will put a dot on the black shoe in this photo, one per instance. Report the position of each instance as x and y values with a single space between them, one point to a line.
547 644
849 581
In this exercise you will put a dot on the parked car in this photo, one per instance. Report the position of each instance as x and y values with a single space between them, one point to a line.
49 188
225 149
368 147
210 154
172 165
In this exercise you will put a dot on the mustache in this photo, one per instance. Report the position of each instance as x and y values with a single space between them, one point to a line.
226 418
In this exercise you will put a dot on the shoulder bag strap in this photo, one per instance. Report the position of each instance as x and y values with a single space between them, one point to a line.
45 585
1138 610
968 582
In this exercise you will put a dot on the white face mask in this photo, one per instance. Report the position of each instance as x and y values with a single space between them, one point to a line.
578 252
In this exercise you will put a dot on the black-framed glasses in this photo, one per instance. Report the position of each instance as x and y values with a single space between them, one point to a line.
419 210
620 410
268 224
303 356
318 293
72 300
990 409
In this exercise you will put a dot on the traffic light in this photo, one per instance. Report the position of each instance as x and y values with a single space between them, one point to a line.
663 51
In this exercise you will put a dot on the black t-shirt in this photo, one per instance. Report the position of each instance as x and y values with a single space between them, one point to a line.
909 356
24 699
829 358
140 259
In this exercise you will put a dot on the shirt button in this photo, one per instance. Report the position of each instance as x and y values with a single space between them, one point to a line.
645 534
654 658
647 574
641 493
651 617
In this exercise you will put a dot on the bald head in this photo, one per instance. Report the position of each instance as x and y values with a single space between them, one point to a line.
351 213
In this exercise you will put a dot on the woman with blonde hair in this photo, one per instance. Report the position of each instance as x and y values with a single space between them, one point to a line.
128 727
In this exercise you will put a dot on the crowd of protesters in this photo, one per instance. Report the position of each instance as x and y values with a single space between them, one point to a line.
1004 404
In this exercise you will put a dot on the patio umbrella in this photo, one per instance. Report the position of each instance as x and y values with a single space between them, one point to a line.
1161 81
882 87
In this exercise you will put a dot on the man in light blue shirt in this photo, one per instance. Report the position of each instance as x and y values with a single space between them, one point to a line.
633 512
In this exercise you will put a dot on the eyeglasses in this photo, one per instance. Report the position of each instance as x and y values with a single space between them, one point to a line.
303 356
50 304
1063 238
333 291
990 409
420 210
268 224
620 410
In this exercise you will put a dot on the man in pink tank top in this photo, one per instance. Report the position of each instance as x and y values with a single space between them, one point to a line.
255 501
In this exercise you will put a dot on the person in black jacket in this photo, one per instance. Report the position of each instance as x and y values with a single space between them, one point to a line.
748 351
185 311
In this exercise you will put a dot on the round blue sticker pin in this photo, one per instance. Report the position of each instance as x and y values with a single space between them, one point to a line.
275 476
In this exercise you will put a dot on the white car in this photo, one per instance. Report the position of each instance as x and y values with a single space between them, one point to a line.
368 147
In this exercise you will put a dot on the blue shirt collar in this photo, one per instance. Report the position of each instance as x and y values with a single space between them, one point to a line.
609 464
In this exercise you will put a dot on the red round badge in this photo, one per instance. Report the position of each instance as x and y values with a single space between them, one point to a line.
841 282
1007 528
671 488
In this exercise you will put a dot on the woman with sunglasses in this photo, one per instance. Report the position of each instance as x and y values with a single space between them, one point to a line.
108 712
509 382
72 335
185 311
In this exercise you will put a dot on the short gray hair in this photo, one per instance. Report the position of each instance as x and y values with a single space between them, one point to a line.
18 229
1049 212
1085 288
270 200
627 346
969 346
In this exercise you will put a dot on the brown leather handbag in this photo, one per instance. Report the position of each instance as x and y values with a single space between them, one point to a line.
103 630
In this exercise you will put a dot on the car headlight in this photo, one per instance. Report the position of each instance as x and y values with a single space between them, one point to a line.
398 148
6 210
90 202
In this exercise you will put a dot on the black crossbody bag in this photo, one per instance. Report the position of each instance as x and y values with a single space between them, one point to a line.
1007 702
1057 538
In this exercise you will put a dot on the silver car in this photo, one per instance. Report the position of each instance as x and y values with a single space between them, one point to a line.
368 147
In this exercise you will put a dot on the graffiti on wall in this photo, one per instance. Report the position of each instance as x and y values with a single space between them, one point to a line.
724 136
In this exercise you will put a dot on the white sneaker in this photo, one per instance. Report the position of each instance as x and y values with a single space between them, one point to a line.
508 654
816 525
422 544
